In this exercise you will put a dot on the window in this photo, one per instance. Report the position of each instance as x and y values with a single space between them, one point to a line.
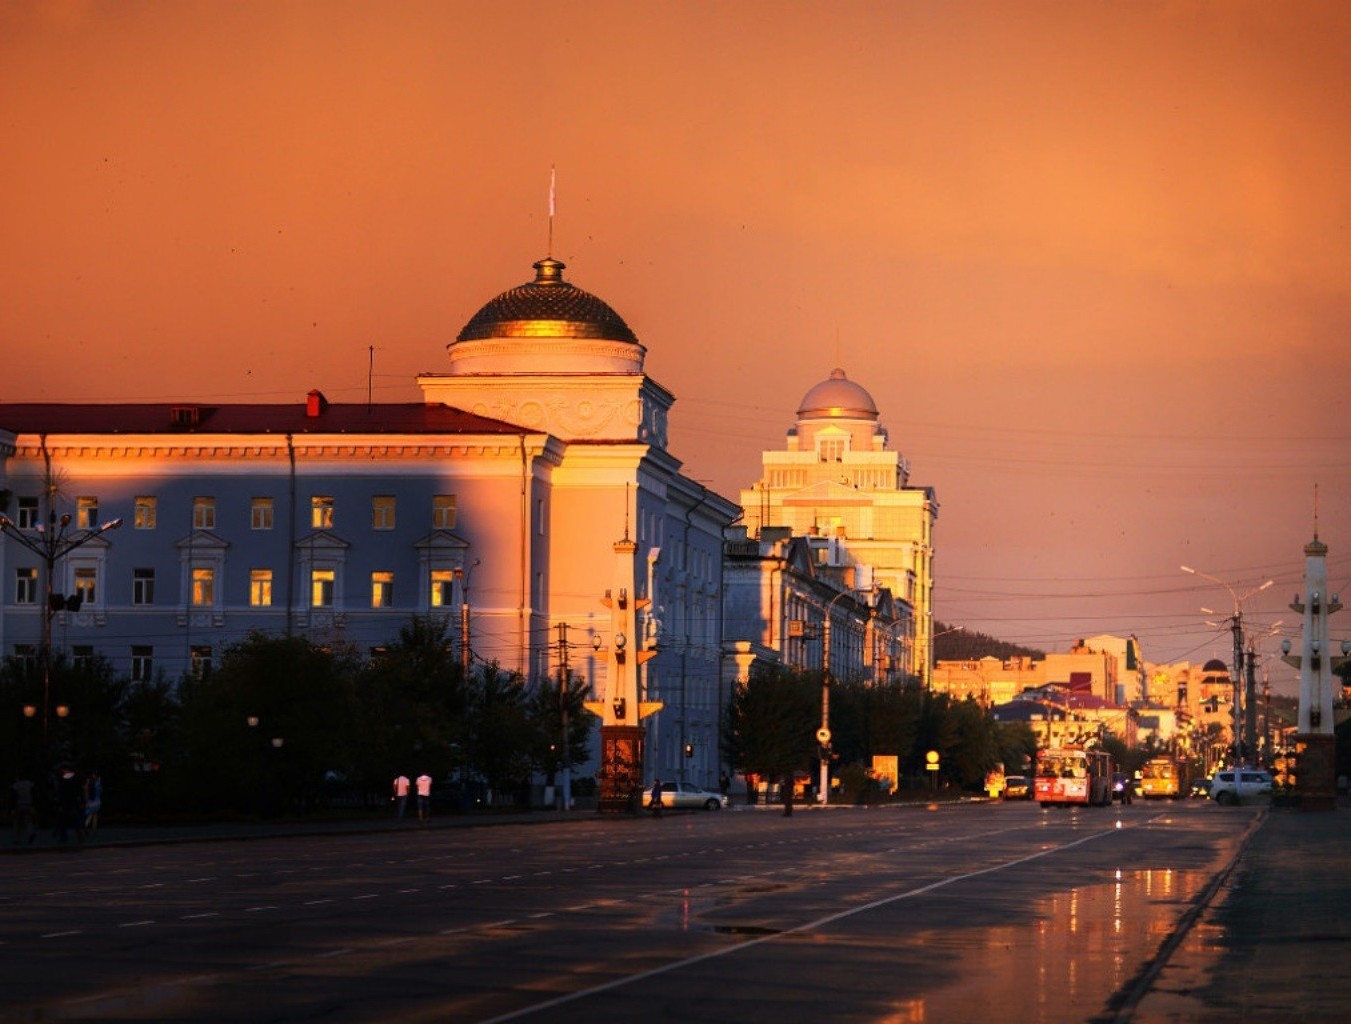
145 512
27 657
142 663
831 449
382 512
321 587
82 656
443 511
203 513
382 589
203 586
28 513
260 588
86 583
443 588
143 586
87 513
25 586
260 514
200 660
321 512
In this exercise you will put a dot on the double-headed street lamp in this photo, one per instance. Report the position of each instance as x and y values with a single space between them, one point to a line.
1236 626
51 542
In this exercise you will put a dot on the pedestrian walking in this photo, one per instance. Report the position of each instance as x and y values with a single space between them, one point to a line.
656 798
21 795
400 796
786 792
724 783
69 804
93 802
424 798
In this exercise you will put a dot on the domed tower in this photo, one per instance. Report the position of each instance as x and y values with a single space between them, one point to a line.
554 358
839 484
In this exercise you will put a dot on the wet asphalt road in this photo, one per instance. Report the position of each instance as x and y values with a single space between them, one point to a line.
897 914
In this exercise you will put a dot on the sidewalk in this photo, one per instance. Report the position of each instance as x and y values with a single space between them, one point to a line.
1274 945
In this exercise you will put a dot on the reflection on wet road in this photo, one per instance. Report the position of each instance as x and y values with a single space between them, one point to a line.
951 913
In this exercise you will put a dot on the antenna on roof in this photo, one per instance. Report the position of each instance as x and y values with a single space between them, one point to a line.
1315 511
370 374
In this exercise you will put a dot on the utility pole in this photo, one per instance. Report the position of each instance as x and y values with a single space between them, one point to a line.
563 708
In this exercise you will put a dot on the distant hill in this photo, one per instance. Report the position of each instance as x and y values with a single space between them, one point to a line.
965 645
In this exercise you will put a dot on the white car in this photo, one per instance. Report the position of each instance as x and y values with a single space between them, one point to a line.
1250 782
686 796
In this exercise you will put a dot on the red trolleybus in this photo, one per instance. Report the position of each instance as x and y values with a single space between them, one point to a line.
1164 777
1068 775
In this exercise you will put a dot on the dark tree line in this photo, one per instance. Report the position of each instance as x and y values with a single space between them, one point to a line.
282 725
772 721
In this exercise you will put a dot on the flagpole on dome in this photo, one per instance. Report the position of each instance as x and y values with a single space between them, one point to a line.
553 194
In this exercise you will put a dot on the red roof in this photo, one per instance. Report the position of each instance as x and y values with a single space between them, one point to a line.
291 418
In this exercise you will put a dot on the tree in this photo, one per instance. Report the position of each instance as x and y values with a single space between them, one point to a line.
771 722
544 714
498 740
265 727
413 700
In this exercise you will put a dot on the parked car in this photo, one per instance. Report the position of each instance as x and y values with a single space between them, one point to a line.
1123 787
1232 787
686 796
1017 787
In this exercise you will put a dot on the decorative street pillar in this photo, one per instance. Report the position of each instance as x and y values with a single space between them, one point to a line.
1315 741
623 709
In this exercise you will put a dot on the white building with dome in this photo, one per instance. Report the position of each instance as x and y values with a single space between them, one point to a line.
531 489
837 481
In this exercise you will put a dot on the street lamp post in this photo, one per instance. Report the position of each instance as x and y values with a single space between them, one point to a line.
53 542
1236 627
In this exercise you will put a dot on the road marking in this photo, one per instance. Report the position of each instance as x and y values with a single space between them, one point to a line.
335 952
207 879
254 910
194 917
61 935
135 924
808 926
367 896
315 903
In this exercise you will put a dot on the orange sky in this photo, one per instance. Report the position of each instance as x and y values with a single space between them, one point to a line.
1091 259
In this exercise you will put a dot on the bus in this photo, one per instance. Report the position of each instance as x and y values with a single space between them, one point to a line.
1165 777
1068 775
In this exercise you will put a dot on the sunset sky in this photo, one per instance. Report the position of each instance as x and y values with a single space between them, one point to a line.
1091 259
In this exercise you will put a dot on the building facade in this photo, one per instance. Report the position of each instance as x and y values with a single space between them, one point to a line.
837 480
500 501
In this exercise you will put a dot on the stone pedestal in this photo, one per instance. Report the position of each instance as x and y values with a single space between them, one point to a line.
621 769
1316 771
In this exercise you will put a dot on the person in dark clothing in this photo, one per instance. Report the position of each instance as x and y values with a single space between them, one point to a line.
656 798
786 792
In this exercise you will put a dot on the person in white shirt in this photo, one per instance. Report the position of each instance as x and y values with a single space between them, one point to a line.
400 795
424 798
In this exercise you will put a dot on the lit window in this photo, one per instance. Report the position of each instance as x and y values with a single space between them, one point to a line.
145 512
382 512
86 580
203 513
86 513
25 586
382 589
321 587
443 588
831 449
260 588
443 511
143 586
204 587
28 513
142 663
260 514
321 512
201 660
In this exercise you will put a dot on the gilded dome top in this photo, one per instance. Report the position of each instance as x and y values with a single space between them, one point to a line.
547 307
838 397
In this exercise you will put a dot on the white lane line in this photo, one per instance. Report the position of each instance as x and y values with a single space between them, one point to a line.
195 917
367 896
61 935
135 924
192 881
255 910
315 903
335 952
809 926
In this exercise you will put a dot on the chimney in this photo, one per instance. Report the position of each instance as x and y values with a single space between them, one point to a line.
315 403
